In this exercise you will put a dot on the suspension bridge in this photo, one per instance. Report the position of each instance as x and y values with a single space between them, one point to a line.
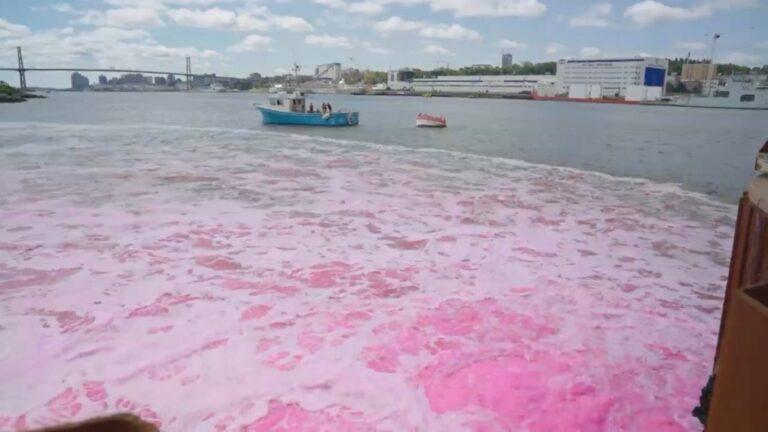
189 76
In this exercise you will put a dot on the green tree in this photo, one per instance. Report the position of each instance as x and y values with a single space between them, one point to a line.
6 89
374 77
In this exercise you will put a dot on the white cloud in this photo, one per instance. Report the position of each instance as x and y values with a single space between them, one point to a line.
427 30
10 30
397 24
651 11
335 4
365 8
376 49
436 49
251 43
204 18
693 46
327 41
510 44
554 48
465 8
453 32
290 23
590 52
246 22
62 7
193 2
123 17
222 19
163 4
595 16
460 8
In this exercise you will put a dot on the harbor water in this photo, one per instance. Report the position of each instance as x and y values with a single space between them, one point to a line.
704 150
535 266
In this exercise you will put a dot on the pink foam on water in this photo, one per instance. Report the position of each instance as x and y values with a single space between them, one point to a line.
254 312
237 281
216 262
293 418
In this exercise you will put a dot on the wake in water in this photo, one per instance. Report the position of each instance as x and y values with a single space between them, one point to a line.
215 280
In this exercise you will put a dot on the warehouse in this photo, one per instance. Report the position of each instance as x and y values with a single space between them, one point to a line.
611 77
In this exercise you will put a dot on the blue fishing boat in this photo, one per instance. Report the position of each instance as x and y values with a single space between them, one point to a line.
290 109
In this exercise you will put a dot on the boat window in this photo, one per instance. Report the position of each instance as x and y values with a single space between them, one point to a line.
748 98
722 93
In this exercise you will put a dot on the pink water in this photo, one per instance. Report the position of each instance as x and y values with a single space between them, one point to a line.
231 280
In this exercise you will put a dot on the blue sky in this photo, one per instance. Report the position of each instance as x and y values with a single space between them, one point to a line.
237 37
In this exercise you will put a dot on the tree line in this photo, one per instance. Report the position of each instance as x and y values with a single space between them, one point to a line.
524 68
676 66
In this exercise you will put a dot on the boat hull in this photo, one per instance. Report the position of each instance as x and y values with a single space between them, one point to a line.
429 124
270 116
424 120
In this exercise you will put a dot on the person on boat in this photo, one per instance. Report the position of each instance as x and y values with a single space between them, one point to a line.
329 108
311 108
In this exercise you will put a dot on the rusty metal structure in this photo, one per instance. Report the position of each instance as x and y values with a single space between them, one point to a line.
739 399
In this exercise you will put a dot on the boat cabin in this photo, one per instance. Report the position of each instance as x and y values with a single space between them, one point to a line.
289 102
742 91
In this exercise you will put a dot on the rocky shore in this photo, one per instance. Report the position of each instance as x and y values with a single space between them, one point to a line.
10 94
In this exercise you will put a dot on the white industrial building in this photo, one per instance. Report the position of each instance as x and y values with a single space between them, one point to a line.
330 71
491 84
400 80
593 79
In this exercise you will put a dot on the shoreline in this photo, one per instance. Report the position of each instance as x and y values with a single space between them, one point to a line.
19 97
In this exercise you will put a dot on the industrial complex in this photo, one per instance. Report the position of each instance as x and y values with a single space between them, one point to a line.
633 79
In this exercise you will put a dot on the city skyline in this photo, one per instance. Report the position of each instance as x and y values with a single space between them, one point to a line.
237 37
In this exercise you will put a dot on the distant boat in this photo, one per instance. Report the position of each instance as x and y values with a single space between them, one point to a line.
290 109
426 120
736 92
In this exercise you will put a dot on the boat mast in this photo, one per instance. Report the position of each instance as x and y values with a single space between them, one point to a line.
296 69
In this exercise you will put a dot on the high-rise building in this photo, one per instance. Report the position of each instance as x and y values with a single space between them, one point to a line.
160 81
133 78
170 80
103 79
79 81
204 80
506 60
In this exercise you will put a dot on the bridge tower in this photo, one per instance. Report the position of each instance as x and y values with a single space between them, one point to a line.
22 76
189 73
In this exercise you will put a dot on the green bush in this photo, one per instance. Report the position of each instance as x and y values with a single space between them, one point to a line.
7 89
